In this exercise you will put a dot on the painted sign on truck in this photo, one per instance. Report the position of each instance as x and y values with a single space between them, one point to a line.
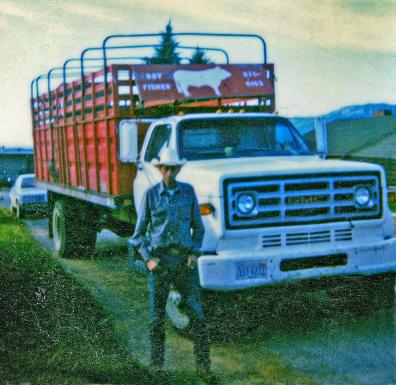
171 82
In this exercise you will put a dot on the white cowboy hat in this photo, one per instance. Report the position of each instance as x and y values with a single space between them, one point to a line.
168 157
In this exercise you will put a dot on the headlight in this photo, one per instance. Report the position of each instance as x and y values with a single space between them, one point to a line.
363 197
246 203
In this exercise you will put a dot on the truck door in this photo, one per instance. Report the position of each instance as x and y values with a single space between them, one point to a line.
148 175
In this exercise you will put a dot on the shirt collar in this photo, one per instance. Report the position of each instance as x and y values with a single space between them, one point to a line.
162 188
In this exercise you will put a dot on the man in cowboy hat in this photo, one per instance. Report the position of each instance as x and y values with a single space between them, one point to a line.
168 235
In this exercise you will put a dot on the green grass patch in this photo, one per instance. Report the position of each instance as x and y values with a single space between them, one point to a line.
52 330
392 206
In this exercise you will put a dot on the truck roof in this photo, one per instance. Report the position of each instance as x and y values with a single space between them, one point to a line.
205 115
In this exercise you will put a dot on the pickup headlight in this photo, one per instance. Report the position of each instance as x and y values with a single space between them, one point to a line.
246 203
363 197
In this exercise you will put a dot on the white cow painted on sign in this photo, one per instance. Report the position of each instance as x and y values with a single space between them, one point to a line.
211 77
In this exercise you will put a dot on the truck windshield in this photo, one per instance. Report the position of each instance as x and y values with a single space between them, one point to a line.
239 137
28 182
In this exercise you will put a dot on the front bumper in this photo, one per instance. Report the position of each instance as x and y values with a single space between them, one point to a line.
33 207
223 272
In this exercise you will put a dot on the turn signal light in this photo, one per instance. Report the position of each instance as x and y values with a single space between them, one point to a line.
206 209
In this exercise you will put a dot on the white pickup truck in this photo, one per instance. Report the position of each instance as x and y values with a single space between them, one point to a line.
277 212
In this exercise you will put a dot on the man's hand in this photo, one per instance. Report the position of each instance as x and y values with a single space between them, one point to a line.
152 264
192 261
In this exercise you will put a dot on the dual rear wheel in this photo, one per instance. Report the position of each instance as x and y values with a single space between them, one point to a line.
74 230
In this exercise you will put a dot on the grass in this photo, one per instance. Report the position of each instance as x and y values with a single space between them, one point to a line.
52 330
392 206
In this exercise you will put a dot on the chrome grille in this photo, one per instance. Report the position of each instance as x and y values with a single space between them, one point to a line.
306 238
343 235
272 240
31 199
305 199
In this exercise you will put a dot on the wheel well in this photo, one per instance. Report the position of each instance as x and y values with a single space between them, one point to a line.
102 217
79 206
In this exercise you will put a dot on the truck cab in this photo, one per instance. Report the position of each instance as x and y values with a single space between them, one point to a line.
278 212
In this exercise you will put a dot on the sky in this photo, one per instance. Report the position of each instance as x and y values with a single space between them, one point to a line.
327 53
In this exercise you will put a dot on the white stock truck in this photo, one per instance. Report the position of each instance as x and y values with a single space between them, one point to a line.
273 210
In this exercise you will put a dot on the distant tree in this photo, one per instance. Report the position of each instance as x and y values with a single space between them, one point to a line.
198 57
167 52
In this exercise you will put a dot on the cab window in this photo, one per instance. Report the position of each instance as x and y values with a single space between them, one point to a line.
159 139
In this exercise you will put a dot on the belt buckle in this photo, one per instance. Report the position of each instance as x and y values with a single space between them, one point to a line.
174 251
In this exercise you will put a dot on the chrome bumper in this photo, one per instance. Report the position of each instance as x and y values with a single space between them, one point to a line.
232 271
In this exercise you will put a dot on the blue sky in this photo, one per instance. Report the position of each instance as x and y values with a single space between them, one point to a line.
327 53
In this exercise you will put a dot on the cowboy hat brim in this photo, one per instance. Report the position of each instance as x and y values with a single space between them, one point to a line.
158 163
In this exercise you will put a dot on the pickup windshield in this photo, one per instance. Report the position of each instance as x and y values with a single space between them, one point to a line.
28 182
239 137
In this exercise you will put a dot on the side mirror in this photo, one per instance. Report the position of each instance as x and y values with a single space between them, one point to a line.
321 137
128 141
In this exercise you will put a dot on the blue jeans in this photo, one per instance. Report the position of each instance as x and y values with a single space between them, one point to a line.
186 281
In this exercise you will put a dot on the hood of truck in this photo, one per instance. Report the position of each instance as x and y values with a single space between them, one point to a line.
205 174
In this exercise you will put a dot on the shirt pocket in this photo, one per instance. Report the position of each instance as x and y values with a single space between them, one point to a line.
184 211
159 215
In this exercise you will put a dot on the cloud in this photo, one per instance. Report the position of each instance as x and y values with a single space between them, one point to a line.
368 7
18 18
94 11
10 9
343 27
342 46
347 24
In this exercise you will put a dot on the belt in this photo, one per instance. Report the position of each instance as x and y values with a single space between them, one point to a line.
171 250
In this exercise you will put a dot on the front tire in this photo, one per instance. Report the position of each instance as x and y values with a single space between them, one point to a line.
19 212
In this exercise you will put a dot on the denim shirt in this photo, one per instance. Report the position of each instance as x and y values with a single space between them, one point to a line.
165 219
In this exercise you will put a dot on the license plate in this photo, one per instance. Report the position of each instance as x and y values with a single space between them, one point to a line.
251 270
